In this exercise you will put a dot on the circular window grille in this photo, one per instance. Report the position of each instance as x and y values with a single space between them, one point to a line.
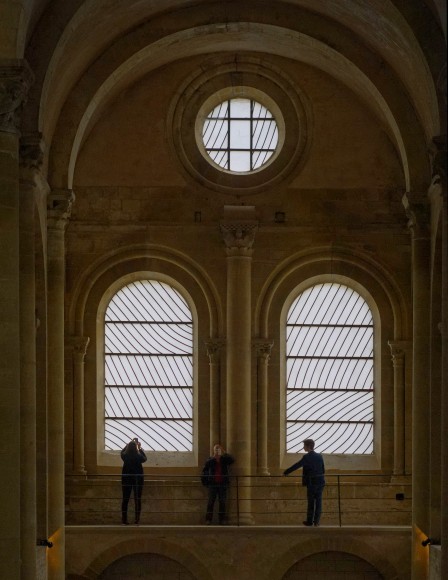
240 135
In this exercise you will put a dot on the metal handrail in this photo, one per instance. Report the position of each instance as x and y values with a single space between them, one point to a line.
339 508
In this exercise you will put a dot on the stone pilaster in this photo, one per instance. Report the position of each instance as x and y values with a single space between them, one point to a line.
31 181
59 209
263 349
238 229
78 345
15 80
214 349
417 210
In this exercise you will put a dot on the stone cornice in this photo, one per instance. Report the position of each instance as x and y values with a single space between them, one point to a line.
15 80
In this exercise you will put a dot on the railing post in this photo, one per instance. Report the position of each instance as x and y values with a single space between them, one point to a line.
237 502
339 501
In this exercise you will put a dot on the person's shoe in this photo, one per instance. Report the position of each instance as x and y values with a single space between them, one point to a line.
306 523
137 521
124 523
316 525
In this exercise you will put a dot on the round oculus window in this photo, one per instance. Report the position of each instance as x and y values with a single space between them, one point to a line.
240 135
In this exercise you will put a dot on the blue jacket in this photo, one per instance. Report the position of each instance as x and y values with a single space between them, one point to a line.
313 469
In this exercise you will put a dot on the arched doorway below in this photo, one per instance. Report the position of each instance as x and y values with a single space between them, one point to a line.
146 566
332 566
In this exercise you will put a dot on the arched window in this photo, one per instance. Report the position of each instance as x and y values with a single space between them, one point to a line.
148 368
329 371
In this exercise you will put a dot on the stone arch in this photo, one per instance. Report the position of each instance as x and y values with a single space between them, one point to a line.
148 253
392 312
396 40
141 545
92 285
355 547
76 122
331 260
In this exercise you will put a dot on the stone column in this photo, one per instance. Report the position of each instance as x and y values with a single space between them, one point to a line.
15 79
31 184
439 187
238 228
59 209
417 210
263 348
79 346
398 351
214 347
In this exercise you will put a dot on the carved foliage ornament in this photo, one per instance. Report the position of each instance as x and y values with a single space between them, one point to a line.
15 82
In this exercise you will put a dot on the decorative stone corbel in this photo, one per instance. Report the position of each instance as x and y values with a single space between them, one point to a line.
59 207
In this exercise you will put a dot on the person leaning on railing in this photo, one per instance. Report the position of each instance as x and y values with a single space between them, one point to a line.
132 478
215 476
314 480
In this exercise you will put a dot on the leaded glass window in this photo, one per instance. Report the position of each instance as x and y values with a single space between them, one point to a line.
149 368
330 368
240 135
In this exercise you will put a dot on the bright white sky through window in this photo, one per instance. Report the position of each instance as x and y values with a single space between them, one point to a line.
149 368
329 360
240 135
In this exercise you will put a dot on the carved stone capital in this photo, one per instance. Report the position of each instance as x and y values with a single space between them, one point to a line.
238 229
59 208
15 80
79 345
263 347
239 237
398 350
417 208
214 347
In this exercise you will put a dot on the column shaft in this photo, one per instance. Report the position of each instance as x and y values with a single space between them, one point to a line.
10 358
263 354
15 79
28 381
79 345
213 351
60 204
417 210
239 234
398 361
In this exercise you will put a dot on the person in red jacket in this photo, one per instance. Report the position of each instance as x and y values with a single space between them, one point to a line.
215 475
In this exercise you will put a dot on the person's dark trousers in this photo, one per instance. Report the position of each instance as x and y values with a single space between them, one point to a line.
220 492
314 511
129 483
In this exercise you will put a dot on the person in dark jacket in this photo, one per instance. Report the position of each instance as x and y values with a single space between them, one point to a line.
132 478
314 480
215 475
